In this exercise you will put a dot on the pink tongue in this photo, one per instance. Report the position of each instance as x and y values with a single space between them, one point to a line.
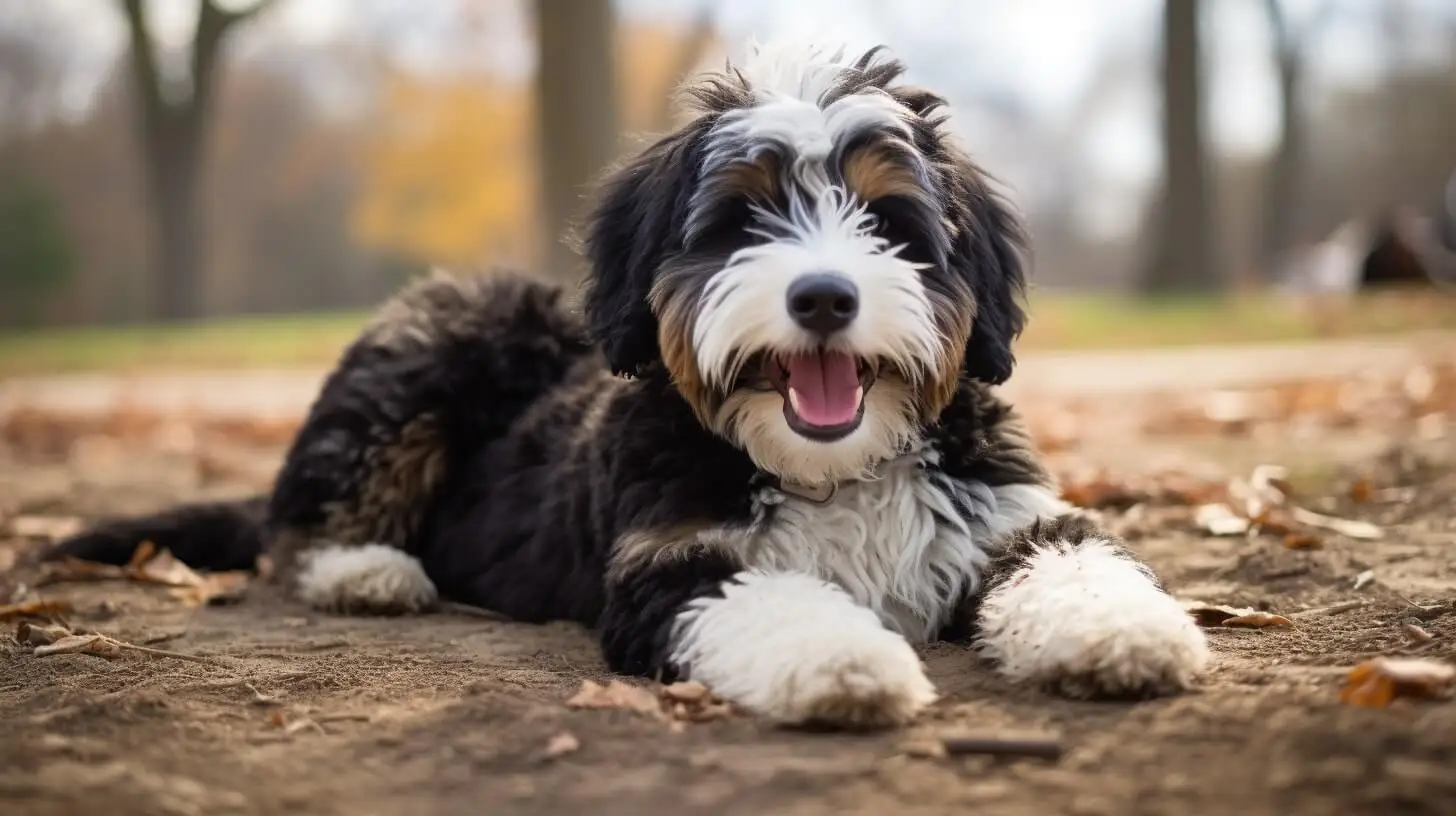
825 387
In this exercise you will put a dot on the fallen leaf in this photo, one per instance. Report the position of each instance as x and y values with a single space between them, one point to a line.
1345 527
28 634
34 609
51 640
151 565
561 745
1362 490
98 645
1220 520
50 528
216 588
75 569
1256 620
1296 540
1364 579
678 703
1376 683
616 694
1205 614
1417 634
688 691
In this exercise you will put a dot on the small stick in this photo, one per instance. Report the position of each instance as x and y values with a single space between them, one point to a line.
992 746
473 611
206 661
1332 609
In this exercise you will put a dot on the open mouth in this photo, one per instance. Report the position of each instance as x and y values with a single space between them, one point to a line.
823 392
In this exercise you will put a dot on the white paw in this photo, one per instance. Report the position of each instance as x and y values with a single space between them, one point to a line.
798 651
372 578
1086 621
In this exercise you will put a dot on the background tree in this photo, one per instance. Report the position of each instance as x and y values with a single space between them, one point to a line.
1285 176
1182 256
577 115
174 131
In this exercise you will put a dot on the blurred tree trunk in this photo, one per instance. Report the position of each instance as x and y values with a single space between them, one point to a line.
1183 258
1285 177
174 135
576 116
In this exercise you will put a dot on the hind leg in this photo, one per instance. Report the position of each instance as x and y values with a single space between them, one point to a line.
445 367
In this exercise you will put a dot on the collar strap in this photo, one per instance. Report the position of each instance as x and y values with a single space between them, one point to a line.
818 494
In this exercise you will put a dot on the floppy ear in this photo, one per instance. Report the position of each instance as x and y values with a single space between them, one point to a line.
637 222
988 252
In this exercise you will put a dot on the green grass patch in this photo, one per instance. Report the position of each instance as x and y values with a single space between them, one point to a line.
1060 321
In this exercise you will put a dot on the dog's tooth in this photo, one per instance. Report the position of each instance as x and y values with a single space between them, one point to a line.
858 396
794 400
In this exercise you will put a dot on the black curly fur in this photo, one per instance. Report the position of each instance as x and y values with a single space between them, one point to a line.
479 425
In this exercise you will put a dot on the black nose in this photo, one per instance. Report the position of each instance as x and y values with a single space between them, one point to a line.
823 303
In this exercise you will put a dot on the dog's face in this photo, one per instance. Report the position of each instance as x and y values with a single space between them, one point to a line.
810 260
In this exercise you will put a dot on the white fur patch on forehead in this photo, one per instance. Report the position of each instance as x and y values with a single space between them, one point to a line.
786 69
789 84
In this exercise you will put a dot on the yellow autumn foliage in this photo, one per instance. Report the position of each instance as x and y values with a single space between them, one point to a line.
450 175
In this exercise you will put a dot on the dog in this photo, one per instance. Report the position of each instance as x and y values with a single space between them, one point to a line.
765 454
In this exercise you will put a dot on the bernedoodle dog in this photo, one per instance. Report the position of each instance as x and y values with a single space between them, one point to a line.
765 455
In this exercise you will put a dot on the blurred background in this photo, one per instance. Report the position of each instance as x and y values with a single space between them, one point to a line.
1191 171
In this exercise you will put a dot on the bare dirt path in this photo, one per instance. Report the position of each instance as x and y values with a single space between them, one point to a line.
285 392
307 713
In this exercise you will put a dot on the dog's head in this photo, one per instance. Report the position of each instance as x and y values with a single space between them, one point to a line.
811 260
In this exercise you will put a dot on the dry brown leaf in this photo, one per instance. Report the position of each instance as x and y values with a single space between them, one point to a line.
151 565
28 634
70 569
216 588
679 703
1298 540
1417 634
687 691
98 645
50 528
162 567
34 609
1205 614
1363 490
1257 620
1220 520
51 640
616 694
1364 579
1376 683
561 745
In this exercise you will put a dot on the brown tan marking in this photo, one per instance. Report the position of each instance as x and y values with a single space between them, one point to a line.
640 549
757 180
871 172
675 338
398 479
954 318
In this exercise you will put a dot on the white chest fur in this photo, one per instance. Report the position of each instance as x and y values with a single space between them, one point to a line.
907 545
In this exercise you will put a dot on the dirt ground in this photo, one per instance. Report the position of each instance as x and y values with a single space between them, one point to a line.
452 713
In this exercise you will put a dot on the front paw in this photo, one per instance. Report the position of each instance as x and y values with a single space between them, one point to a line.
797 651
1086 621
863 682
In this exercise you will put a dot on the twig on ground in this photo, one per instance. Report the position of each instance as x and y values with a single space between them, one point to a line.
1332 609
473 611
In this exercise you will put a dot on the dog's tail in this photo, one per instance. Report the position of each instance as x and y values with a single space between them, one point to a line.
208 536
